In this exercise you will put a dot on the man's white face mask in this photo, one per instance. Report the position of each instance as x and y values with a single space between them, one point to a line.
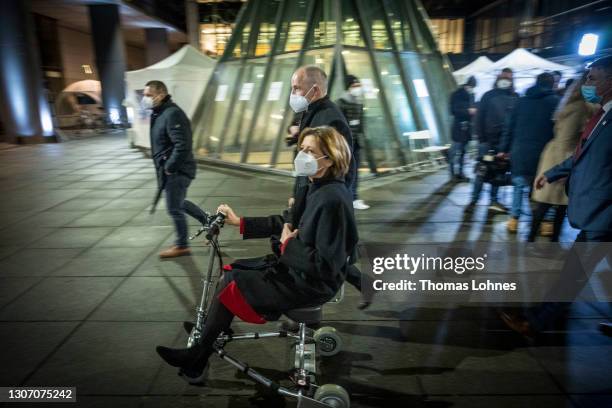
306 164
504 83
356 91
299 103
146 102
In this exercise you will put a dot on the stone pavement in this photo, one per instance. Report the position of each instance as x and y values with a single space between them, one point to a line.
84 299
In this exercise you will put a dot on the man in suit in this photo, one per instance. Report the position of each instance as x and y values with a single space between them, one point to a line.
588 176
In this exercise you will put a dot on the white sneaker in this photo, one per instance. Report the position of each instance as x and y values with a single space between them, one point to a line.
360 205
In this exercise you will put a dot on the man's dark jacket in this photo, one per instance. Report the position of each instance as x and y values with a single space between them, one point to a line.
353 113
171 140
529 129
460 103
494 109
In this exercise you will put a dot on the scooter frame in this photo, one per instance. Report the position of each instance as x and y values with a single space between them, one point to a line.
306 341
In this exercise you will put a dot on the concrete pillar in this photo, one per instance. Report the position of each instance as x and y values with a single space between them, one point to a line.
192 14
25 110
469 35
156 44
110 58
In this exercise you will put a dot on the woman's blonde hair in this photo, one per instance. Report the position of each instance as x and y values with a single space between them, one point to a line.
572 94
333 145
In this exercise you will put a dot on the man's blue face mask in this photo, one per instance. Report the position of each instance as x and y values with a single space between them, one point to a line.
590 94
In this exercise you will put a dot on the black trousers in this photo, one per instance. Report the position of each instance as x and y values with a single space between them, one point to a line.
538 215
353 276
578 267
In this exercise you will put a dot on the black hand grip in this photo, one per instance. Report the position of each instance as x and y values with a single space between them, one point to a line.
215 225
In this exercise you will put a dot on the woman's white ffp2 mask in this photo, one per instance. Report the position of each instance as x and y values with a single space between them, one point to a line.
305 164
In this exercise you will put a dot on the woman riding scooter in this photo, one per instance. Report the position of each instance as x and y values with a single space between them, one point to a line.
309 262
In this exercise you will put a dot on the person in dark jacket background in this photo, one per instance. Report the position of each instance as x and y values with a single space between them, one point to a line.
493 110
351 105
306 269
171 149
530 129
462 108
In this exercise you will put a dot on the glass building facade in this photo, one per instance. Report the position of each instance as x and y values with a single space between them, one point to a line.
388 44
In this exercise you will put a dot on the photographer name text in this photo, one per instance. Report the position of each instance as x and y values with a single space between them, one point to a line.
428 285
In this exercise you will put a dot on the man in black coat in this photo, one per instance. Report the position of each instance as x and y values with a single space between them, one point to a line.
171 148
494 109
309 98
462 108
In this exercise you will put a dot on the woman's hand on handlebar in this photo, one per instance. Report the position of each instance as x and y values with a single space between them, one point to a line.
230 216
287 233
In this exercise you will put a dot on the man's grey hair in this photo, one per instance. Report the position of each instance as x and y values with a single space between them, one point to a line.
315 75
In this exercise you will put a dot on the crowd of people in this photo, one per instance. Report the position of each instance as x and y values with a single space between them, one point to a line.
521 137
557 144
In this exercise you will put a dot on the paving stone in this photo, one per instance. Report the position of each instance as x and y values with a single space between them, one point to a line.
60 299
25 345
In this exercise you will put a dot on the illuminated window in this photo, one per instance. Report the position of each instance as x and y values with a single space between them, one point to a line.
449 34
214 38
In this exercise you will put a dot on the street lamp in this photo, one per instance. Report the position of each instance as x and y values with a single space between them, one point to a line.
588 44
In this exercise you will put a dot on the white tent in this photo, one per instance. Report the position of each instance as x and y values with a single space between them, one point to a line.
79 103
185 73
479 66
525 65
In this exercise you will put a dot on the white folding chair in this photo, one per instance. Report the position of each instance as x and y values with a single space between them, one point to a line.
420 143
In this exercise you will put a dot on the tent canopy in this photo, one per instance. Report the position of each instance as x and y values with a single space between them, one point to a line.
525 66
186 64
524 63
86 92
185 73
479 65
85 86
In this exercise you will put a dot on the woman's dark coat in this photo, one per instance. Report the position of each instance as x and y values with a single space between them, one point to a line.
313 266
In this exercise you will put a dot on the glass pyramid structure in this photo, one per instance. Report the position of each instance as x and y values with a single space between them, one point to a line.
244 114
